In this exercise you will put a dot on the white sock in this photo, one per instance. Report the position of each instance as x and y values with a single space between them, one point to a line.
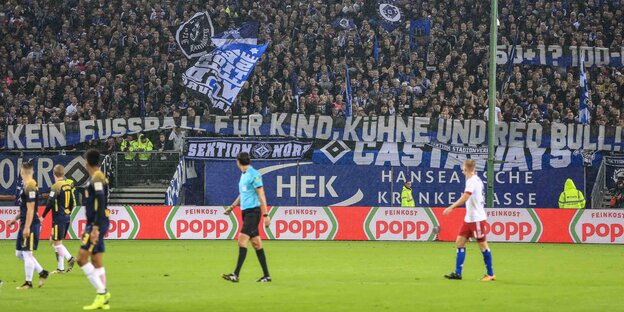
66 252
19 255
60 257
101 272
29 265
38 266
95 280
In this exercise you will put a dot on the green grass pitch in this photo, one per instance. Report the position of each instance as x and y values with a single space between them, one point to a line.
329 276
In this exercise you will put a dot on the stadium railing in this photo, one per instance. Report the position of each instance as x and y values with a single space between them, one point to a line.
154 172
600 188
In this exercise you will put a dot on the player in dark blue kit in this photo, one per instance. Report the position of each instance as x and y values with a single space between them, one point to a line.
92 244
29 227
61 202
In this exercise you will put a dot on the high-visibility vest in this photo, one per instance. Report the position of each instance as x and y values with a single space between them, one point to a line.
127 147
146 146
571 198
406 197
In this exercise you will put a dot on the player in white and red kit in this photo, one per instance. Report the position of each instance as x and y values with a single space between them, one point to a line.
474 222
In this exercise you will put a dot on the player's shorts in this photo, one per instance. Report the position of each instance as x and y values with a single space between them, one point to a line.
474 230
86 243
251 220
28 243
59 230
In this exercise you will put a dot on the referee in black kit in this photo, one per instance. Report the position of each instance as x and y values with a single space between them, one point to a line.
253 205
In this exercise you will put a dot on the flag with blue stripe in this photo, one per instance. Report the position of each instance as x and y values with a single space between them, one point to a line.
584 115
245 33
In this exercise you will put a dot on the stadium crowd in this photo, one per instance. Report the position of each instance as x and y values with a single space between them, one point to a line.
85 59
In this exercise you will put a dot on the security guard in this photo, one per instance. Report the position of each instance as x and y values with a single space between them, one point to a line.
571 198
144 145
406 195
127 145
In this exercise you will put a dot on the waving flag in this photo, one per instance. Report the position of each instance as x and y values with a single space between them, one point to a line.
349 93
246 33
584 115
218 76
389 13
344 23
420 37
193 36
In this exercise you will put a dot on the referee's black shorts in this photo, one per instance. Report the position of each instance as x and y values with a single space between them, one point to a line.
251 220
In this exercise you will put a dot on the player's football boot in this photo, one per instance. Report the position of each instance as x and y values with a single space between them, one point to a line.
26 285
264 279
453 276
42 277
107 297
57 271
488 278
230 277
98 303
70 264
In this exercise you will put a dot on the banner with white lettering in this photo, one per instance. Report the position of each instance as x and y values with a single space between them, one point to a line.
306 183
414 130
218 76
556 55
444 156
38 136
228 149
614 171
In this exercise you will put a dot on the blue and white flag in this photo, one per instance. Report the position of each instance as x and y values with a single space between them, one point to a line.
349 93
172 196
584 115
246 33
420 37
218 76
344 23
389 13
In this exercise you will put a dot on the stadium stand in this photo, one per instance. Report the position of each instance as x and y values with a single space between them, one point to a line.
71 60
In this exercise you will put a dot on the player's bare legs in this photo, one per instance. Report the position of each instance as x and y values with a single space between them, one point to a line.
460 242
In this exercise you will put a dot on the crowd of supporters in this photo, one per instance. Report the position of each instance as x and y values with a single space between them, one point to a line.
85 59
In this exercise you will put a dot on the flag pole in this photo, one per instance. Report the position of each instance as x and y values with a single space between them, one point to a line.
492 102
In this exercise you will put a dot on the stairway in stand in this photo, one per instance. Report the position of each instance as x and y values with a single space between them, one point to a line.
137 196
